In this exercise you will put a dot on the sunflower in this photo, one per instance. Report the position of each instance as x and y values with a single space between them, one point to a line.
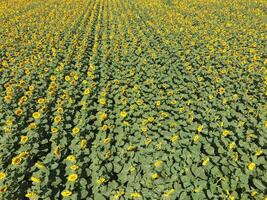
8 98
75 130
136 195
71 158
107 140
226 133
221 90
66 193
36 115
23 154
83 144
199 128
57 119
205 161
102 101
54 130
35 179
39 165
24 138
123 114
16 160
57 151
103 116
87 91
2 175
32 125
251 166
101 180
158 163
67 78
31 195
18 111
74 167
72 177
155 176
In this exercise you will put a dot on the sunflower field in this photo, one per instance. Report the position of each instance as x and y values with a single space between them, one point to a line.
133 99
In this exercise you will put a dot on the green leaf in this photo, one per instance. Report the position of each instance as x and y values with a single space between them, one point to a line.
99 197
258 183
